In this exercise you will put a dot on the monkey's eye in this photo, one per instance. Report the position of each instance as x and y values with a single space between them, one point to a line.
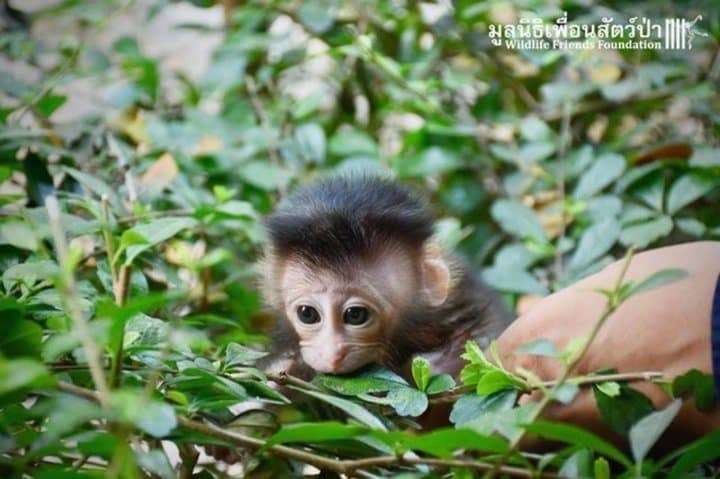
308 314
355 315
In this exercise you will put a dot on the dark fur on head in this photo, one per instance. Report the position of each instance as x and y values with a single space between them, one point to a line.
334 222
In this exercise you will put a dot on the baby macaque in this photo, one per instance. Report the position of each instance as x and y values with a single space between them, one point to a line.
351 266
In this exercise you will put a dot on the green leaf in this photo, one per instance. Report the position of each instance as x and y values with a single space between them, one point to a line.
236 354
18 234
606 169
265 175
314 432
517 219
595 242
445 442
513 280
22 373
645 433
538 347
471 407
97 186
600 208
534 129
421 372
449 233
495 381
689 188
703 450
153 417
622 90
352 143
350 408
430 162
146 235
622 410
691 226
705 157
516 257
601 468
698 384
311 142
156 462
31 272
440 383
316 16
577 436
407 401
579 464
655 280
20 337
536 151
609 388
651 190
643 234
370 381
48 104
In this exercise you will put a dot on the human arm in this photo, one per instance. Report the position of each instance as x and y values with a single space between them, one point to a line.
666 329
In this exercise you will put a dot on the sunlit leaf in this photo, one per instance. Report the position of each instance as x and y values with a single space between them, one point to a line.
602 173
421 372
645 433
689 188
517 219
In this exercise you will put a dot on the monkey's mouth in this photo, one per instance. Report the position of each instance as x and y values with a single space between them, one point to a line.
344 363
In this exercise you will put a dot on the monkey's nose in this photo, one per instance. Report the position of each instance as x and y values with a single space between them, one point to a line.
338 358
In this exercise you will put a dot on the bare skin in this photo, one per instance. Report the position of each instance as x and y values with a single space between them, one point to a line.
383 287
666 329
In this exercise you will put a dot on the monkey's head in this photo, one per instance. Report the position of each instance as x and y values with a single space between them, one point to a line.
347 260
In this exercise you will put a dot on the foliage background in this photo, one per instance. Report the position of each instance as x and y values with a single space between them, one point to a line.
543 167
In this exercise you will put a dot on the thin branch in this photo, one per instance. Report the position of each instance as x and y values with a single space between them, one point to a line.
348 467
284 378
505 76
68 287
119 154
263 117
454 394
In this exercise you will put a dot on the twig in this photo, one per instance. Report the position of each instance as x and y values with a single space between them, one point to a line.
322 462
454 394
117 152
517 87
259 110
284 378
68 287
611 306
189 456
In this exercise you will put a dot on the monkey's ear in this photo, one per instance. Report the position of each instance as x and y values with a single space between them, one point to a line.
435 275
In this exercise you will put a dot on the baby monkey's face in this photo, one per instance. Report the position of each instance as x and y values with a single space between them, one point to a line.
344 320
